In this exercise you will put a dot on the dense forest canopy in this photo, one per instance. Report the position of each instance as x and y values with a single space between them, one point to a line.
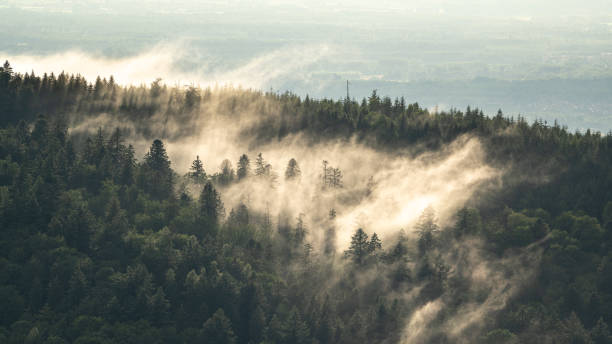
156 214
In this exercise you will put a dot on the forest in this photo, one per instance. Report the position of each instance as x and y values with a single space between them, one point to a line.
124 221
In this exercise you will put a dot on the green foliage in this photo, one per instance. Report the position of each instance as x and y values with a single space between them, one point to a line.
12 304
196 172
211 209
155 175
468 222
218 329
97 247
427 230
501 336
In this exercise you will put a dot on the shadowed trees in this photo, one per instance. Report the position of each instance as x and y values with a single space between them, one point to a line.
155 176
211 209
95 247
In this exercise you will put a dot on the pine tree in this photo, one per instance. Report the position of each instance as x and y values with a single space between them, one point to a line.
257 323
295 329
77 286
244 167
336 178
196 172
271 175
274 330
109 239
468 222
427 230
329 240
374 102
6 72
375 243
218 329
158 306
332 177
359 248
293 170
600 333
240 216
192 98
572 331
211 207
227 173
157 175
128 164
260 165
300 230
98 87
6 68
398 251
157 157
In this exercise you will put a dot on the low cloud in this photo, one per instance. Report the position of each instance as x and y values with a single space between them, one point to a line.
164 59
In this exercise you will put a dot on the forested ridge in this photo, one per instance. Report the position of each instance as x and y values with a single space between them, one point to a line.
100 244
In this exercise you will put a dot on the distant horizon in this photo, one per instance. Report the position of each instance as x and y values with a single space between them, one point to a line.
435 52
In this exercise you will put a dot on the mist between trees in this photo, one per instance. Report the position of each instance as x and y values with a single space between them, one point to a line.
225 215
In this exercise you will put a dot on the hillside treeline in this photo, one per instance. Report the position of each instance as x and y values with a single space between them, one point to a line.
99 245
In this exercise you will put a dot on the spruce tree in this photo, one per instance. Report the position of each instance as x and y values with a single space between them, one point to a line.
211 207
218 329
427 230
375 243
360 247
196 172
244 167
260 165
157 175
293 170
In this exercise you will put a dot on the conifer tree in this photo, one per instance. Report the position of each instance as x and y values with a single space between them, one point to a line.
329 244
360 247
427 230
227 173
244 167
260 165
600 333
157 157
296 329
300 230
196 172
293 170
218 329
375 243
211 207
157 175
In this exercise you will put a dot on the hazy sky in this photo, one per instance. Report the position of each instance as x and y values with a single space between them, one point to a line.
313 47
459 7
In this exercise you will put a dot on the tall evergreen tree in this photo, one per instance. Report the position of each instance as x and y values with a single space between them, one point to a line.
260 165
157 157
293 170
227 173
218 329
329 239
300 230
359 248
427 229
196 172
157 177
244 167
211 207
375 244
